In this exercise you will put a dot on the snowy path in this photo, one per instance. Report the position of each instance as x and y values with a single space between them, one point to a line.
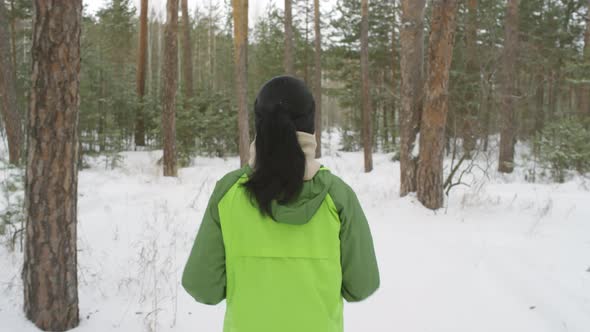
503 257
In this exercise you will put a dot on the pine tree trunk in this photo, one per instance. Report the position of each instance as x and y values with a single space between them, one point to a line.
584 98
473 81
317 86
412 78
434 116
50 257
366 93
170 73
155 50
539 102
187 63
240 13
507 131
488 106
141 69
13 35
306 49
394 66
8 108
288 60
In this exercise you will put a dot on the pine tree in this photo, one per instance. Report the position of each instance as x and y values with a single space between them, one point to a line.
317 81
170 75
187 55
366 93
434 115
288 62
507 135
240 14
412 73
50 257
141 75
8 102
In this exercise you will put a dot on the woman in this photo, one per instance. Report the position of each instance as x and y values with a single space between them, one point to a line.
282 239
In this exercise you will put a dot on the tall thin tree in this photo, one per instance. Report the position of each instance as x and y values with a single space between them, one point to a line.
170 74
49 274
289 49
471 104
584 102
187 55
412 80
317 81
366 93
8 108
141 73
434 116
240 15
508 127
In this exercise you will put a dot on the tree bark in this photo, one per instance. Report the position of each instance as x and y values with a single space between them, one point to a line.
507 131
187 58
394 66
8 108
472 70
141 69
366 93
584 98
412 78
587 35
170 73
288 60
434 116
13 35
155 51
50 257
240 13
539 102
317 86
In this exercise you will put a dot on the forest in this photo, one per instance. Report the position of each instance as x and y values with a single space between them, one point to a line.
463 126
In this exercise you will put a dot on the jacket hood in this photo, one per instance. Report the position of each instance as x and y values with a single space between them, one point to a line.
312 196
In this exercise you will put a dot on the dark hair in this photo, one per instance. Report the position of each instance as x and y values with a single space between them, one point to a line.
283 106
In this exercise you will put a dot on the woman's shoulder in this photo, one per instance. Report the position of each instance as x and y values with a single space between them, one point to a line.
229 180
338 188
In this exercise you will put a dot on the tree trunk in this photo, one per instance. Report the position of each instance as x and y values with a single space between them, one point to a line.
50 259
170 73
155 52
507 131
13 35
434 116
473 79
584 98
539 102
187 63
240 13
8 107
488 106
306 49
366 93
317 86
288 60
394 67
141 68
412 78
587 35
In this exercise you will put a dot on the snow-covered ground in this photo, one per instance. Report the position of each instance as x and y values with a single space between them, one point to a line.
503 255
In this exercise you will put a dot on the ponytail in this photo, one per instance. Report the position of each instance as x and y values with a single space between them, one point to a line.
279 162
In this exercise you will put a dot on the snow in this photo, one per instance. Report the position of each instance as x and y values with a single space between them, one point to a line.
503 255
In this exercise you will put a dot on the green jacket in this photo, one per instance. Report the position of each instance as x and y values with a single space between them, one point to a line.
287 273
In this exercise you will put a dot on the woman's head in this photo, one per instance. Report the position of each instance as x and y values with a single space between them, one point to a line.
283 106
